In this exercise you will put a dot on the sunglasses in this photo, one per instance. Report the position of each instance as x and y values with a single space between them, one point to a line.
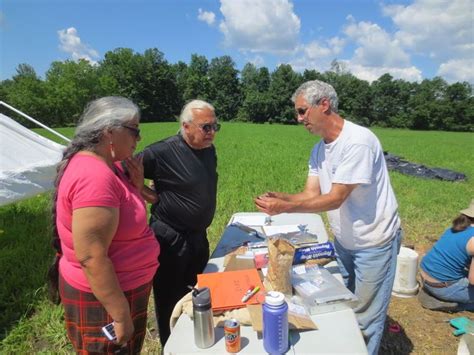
135 131
208 127
302 111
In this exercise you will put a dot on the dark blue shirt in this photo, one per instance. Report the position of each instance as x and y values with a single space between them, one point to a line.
448 260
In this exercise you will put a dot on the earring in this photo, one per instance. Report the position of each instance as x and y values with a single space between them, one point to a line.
112 151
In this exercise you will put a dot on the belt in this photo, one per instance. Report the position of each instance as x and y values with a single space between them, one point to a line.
441 284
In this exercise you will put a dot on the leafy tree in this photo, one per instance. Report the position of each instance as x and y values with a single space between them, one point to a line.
354 96
160 95
225 87
180 72
253 79
311 75
160 89
263 79
284 81
256 105
459 97
26 92
197 80
121 68
146 79
427 105
389 99
70 86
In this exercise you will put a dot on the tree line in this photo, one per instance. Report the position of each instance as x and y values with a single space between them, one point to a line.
253 94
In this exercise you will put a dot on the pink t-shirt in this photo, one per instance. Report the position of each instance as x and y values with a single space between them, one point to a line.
134 250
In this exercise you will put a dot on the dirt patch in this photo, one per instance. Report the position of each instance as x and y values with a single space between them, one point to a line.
411 329
421 331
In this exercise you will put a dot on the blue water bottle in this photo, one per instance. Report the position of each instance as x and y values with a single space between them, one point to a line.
275 323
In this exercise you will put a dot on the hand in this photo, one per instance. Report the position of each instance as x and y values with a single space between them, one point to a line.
151 185
124 330
135 170
278 195
270 204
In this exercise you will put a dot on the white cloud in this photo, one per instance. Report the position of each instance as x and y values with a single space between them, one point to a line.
317 55
71 43
370 74
206 16
437 27
265 26
377 53
442 30
457 70
257 60
376 46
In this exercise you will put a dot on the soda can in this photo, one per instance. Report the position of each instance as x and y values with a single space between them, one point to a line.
232 335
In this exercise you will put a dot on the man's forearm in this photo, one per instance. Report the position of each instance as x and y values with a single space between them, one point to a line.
312 204
315 202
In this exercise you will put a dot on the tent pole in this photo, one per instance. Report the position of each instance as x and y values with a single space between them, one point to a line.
35 121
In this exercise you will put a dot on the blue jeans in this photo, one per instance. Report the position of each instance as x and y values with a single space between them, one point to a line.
461 292
369 274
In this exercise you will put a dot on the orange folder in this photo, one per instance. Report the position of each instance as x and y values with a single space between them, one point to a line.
228 288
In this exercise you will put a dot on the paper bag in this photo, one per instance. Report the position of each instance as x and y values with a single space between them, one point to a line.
280 259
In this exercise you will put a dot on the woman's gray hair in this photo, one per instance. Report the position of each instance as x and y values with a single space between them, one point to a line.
186 115
313 91
102 114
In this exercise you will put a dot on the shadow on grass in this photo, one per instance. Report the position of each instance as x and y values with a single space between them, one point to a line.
25 255
395 339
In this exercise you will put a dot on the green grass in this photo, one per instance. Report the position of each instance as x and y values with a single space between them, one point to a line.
251 159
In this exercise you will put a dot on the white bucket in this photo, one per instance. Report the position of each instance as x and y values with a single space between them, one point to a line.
405 284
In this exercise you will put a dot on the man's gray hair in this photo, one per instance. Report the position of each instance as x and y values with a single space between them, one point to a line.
313 91
187 111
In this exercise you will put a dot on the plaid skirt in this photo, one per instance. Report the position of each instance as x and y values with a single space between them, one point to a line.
85 316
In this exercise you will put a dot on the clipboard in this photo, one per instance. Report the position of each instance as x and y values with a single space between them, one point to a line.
227 288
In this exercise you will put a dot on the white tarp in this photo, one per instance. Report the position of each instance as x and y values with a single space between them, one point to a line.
27 161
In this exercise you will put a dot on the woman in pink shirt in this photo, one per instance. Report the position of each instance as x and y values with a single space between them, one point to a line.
106 253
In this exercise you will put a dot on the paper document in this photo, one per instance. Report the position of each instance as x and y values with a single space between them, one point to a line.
250 220
274 230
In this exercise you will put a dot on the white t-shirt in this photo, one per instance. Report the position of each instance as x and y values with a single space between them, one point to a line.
368 217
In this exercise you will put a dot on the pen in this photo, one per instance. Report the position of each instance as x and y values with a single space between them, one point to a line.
247 297
249 291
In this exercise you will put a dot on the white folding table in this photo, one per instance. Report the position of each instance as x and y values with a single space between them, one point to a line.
337 332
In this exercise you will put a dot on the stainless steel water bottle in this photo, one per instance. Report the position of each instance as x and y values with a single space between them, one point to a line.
202 315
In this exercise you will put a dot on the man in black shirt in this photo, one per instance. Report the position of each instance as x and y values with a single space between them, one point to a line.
183 170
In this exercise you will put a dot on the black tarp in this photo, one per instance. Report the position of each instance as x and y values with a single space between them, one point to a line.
405 167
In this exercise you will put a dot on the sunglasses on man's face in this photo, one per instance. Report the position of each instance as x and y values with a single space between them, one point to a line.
208 127
135 131
302 111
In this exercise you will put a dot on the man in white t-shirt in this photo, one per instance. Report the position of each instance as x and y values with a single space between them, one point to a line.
348 178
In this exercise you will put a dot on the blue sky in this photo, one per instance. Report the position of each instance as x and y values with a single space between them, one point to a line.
411 40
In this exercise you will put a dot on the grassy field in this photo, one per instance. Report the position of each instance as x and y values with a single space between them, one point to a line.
251 159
